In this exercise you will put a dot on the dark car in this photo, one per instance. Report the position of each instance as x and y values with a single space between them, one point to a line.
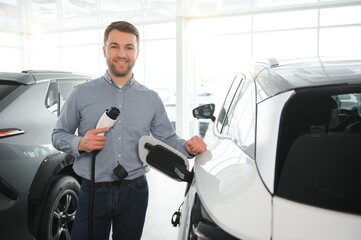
38 188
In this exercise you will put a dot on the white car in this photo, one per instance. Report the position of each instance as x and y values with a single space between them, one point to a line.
283 158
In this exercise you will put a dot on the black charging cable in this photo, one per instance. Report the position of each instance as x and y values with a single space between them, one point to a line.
92 192
107 119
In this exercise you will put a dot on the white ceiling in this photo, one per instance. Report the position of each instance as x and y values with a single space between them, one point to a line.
60 15
64 15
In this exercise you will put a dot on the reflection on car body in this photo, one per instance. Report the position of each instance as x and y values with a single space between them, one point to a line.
283 156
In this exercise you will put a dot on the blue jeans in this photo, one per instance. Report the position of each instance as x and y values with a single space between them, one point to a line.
122 207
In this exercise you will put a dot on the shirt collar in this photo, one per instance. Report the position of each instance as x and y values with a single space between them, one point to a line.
109 80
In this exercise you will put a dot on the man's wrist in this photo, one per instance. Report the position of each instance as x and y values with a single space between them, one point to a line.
80 148
191 154
80 145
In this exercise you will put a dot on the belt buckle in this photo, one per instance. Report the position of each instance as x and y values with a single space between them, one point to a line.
115 184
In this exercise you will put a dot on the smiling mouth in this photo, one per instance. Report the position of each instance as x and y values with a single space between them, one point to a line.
120 61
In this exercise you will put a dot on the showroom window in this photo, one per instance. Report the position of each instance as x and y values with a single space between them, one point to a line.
10 52
219 38
222 45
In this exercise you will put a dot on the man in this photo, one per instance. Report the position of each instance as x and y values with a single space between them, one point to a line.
120 204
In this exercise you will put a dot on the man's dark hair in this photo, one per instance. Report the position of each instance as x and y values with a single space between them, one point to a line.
121 26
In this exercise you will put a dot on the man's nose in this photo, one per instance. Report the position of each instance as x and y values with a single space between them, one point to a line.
121 52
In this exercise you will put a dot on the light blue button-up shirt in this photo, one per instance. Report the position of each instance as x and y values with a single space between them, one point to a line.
141 113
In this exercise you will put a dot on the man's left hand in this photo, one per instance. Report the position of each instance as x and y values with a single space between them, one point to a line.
195 145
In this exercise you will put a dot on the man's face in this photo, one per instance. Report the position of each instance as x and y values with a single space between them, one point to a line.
121 52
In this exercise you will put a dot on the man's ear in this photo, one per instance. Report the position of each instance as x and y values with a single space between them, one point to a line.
138 53
104 51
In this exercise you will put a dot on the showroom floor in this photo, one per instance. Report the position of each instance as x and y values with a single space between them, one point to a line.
165 196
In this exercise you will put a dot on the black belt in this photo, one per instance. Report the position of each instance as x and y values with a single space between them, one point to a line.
105 184
112 184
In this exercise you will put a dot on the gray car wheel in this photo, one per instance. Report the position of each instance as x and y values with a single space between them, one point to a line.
59 212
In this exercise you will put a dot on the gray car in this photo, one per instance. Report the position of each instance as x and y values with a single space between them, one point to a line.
38 188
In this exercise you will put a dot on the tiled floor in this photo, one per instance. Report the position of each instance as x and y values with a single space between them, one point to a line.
165 197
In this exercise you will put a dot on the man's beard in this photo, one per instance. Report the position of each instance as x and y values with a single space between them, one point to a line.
120 74
124 73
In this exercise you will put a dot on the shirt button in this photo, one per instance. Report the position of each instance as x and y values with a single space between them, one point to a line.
119 155
119 121
119 138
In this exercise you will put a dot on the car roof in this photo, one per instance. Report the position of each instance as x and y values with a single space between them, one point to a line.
277 77
29 77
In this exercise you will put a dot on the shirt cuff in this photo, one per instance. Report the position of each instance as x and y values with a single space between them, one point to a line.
190 155
74 146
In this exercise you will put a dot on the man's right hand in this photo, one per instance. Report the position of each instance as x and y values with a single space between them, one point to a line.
92 141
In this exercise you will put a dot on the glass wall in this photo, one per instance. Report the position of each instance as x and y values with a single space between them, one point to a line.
220 37
222 45
10 52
